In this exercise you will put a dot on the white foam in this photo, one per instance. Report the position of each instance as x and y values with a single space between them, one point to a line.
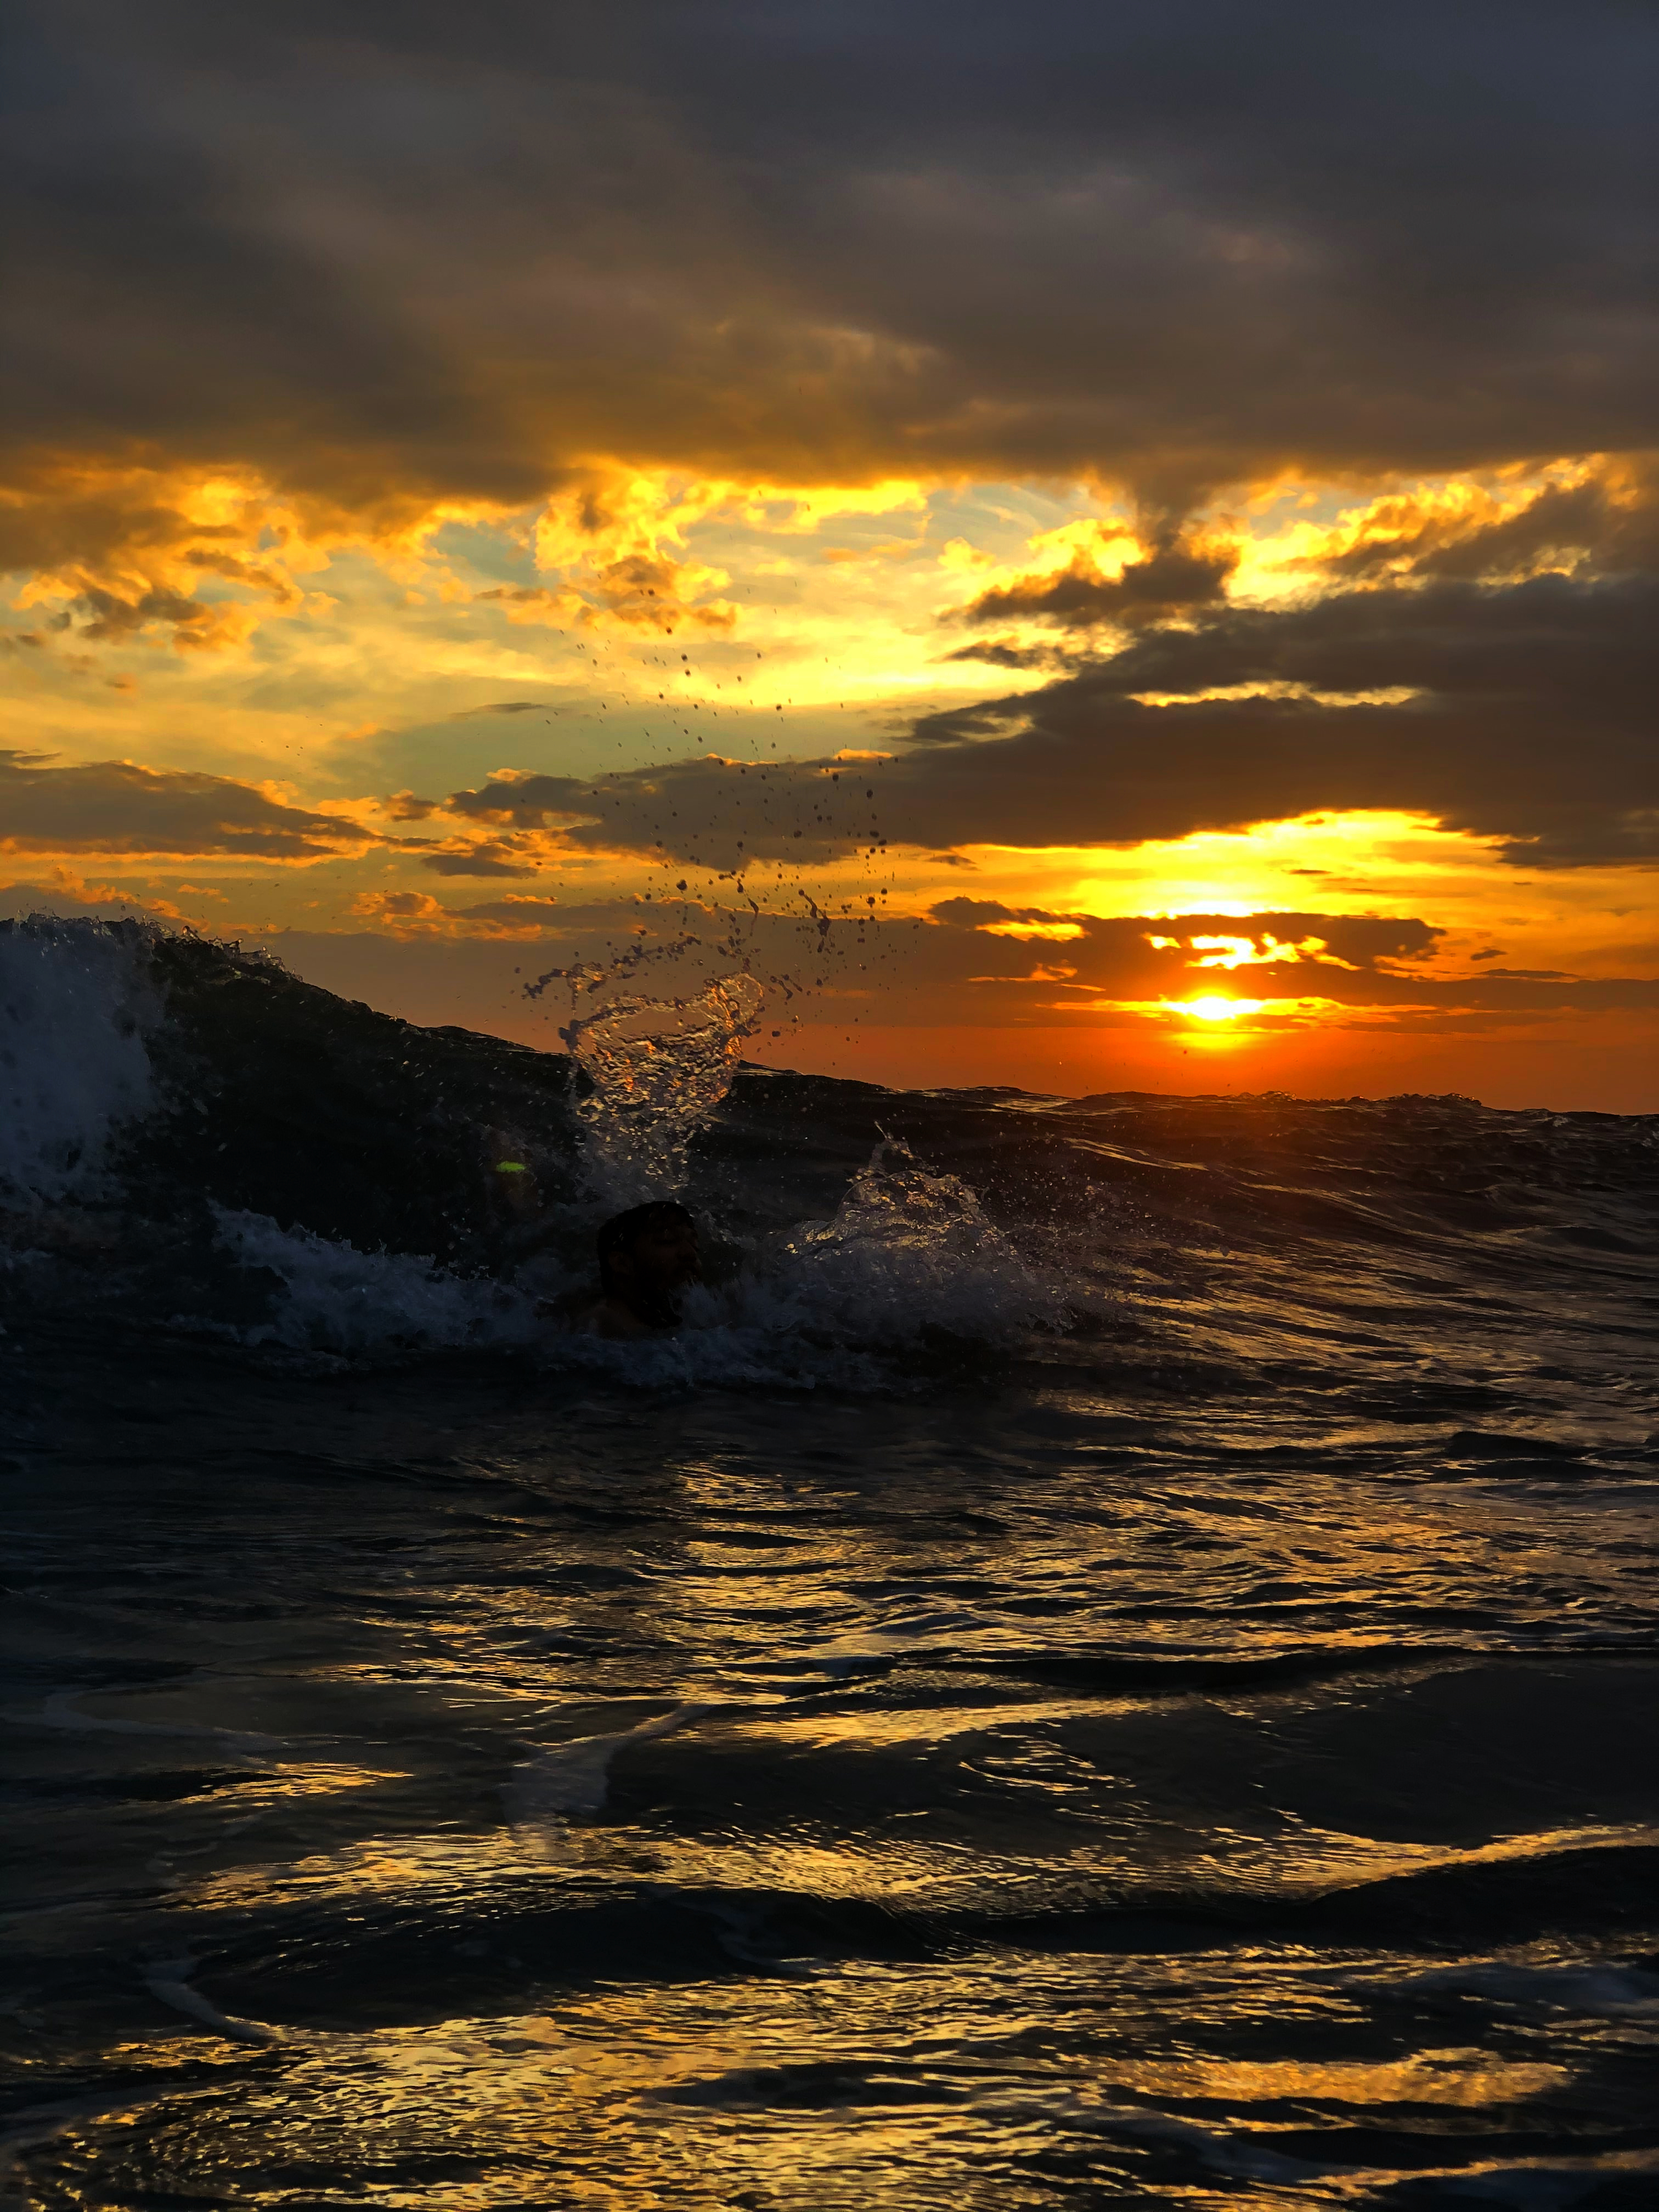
907 1252
543 1793
76 1005
169 1980
337 1299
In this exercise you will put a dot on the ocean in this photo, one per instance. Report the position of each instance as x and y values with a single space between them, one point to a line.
1111 1662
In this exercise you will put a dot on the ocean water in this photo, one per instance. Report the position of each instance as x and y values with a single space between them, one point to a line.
1113 1661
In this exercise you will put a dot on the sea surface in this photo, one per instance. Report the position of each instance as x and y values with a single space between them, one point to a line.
1112 1662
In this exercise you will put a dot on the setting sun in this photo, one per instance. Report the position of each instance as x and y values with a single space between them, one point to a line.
1215 1008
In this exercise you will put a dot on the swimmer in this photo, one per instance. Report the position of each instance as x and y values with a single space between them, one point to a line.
648 1257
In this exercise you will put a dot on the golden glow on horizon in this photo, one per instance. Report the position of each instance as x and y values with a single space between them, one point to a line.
1212 1008
1210 1016
330 660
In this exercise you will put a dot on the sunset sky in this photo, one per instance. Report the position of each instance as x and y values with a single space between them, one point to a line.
1098 547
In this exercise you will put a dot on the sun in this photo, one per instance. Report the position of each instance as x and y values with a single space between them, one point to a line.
1216 1008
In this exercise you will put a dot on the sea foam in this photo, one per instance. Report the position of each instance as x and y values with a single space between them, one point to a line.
76 1009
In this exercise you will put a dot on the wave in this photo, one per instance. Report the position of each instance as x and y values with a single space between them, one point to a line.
193 1128
78 1006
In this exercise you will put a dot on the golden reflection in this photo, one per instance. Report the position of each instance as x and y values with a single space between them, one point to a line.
1461 2076
836 2089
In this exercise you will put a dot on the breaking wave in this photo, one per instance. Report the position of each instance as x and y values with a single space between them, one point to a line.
198 1136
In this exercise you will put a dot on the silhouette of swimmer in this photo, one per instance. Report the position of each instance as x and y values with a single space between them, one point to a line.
649 1257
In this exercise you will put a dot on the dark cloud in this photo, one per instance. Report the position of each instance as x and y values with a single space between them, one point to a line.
395 256
1358 943
1004 653
523 910
712 813
1049 959
1559 522
400 254
1172 581
63 519
480 859
117 807
1612 527
1529 717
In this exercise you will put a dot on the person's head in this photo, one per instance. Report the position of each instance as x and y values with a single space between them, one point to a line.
647 1256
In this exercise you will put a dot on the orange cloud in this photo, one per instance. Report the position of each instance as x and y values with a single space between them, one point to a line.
516 916
402 912
123 553
637 591
615 537
191 557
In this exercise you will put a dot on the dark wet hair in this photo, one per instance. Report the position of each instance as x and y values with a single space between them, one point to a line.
619 1232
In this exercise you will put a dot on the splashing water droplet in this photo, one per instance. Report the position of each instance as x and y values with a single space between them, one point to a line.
894 1200
658 1067
908 1247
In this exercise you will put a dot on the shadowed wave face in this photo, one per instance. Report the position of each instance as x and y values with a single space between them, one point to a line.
1110 1660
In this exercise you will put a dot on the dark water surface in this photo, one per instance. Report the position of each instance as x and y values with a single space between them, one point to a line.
1114 1663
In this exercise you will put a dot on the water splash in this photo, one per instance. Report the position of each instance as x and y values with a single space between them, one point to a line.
908 1248
903 1205
658 1068
337 1300
76 1005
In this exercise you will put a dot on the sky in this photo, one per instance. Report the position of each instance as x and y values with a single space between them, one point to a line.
1091 547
